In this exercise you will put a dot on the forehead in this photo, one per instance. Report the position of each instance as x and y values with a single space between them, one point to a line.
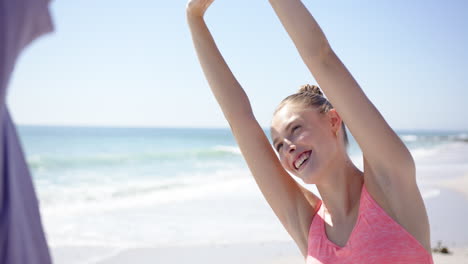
285 115
288 114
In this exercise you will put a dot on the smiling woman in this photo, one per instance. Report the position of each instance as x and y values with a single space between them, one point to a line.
303 112
363 216
310 95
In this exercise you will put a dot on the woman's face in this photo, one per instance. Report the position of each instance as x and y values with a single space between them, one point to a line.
305 140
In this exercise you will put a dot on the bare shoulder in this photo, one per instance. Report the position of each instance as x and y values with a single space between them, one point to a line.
401 200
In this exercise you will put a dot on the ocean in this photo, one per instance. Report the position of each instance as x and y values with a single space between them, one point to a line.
147 187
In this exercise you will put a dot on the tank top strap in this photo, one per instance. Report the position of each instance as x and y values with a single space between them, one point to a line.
317 217
319 209
370 209
315 227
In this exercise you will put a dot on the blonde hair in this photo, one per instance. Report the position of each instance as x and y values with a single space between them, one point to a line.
311 96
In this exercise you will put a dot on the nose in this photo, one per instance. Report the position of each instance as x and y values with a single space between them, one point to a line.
291 146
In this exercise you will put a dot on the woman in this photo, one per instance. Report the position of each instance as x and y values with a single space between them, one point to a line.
372 216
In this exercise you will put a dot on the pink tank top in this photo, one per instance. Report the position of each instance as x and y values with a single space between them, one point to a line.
376 238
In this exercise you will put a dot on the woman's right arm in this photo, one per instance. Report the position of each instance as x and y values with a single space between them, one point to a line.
228 92
288 200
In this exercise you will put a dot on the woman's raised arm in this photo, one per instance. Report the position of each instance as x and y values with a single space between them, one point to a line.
390 174
382 148
293 205
227 90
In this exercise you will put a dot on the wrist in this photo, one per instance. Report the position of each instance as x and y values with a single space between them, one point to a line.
192 15
194 19
194 11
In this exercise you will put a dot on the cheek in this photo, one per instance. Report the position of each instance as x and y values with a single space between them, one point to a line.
285 165
306 138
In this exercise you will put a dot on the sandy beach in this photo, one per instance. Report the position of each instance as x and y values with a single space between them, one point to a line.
247 254
446 195
458 256
448 221
271 252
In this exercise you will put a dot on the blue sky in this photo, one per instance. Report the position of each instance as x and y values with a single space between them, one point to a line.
121 63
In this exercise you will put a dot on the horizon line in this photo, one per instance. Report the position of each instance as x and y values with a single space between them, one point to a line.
201 127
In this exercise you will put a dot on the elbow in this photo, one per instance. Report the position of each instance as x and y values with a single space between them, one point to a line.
326 54
321 55
325 50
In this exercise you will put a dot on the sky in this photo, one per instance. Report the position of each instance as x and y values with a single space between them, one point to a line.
132 63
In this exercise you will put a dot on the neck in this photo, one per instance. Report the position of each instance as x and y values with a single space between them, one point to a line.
341 189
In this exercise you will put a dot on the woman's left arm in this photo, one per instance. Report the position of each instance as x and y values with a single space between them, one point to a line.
381 146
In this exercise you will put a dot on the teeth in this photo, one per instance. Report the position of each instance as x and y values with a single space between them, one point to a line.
301 159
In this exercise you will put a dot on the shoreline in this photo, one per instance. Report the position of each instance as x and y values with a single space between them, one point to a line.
447 214
459 184
445 174
444 221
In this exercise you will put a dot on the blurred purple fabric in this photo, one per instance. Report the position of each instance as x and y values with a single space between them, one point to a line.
22 238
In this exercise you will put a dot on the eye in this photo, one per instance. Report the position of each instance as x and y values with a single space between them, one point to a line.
295 128
279 146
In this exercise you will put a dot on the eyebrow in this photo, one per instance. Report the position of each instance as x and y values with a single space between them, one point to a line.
287 129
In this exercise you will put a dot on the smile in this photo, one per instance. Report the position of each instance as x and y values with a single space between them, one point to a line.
301 159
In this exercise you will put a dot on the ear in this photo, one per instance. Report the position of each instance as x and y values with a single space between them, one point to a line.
335 120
